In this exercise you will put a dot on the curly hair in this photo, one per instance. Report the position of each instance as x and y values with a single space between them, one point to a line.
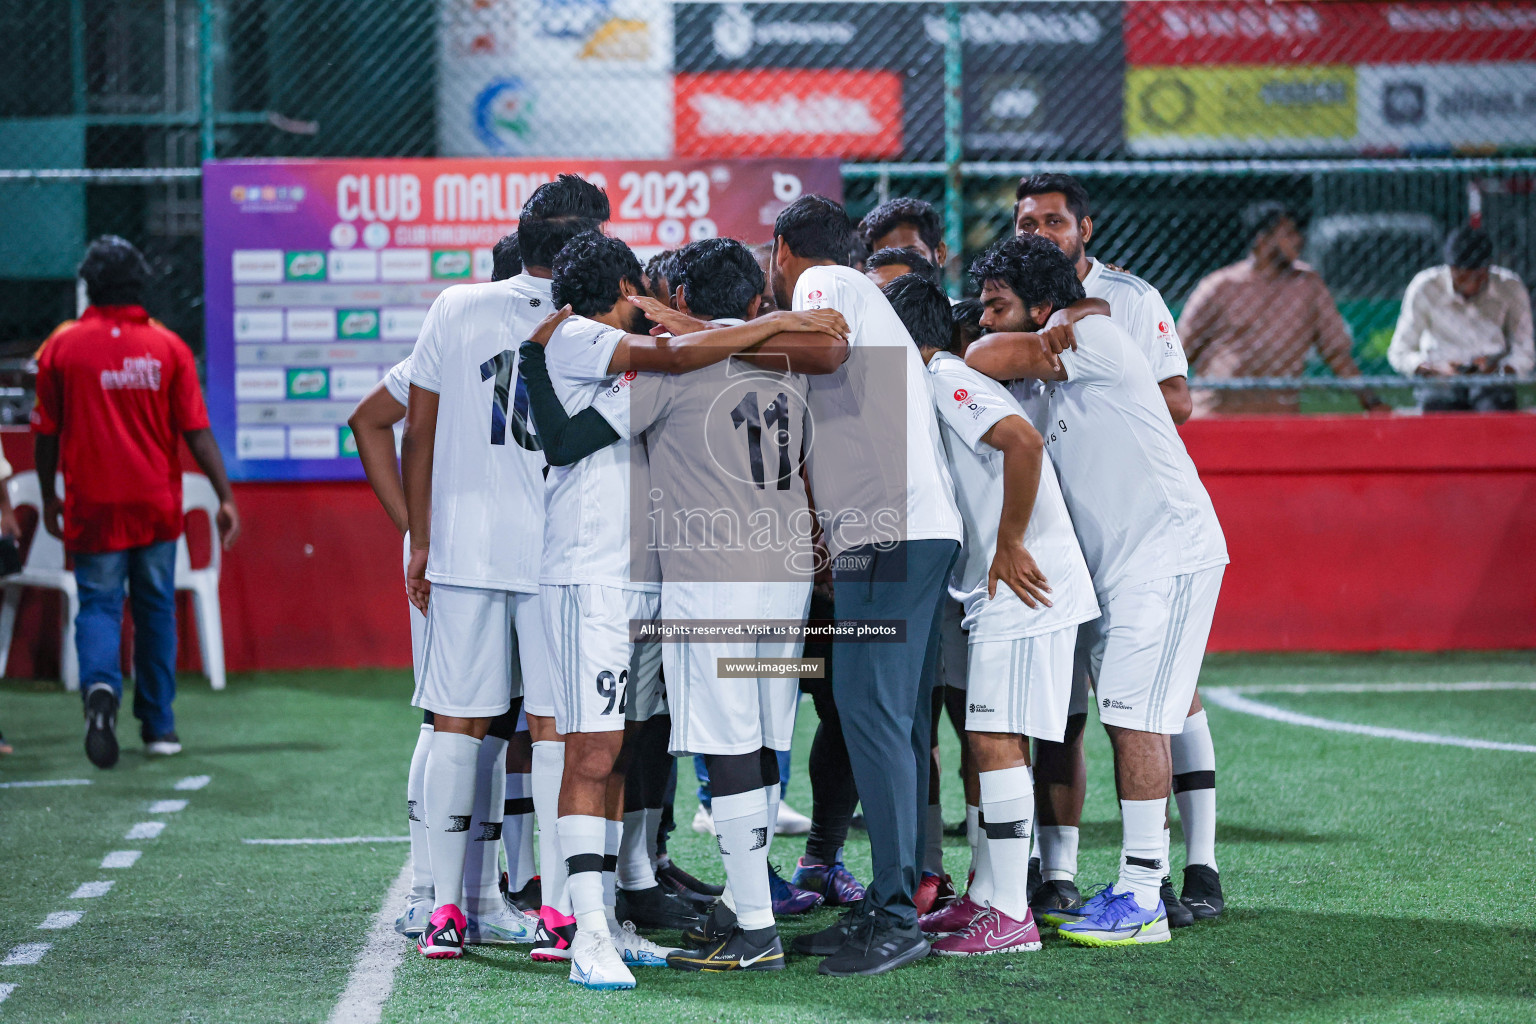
914 261
506 258
1034 267
557 212
588 270
895 213
719 277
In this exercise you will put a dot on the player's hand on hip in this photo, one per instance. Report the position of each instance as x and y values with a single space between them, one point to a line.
667 319
813 321
417 587
53 517
228 521
1016 567
546 329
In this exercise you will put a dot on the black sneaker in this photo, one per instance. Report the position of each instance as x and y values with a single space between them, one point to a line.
1032 882
655 908
101 725
833 937
679 882
712 927
1179 916
1202 892
737 951
1057 902
528 899
876 946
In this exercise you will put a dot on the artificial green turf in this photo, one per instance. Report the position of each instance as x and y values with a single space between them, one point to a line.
1368 879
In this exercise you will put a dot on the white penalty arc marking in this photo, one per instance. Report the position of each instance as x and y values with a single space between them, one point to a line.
120 859
6 989
167 806
38 783
1230 699
373 972
25 954
92 890
61 919
339 841
193 782
145 830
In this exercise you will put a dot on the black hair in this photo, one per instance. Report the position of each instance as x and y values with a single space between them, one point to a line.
1041 184
815 228
588 270
657 266
914 261
923 309
965 317
557 212
1034 267
506 258
1469 248
719 277
893 213
1261 218
114 272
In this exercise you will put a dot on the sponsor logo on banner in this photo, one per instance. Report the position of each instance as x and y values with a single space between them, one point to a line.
501 114
1047 25
779 112
357 323
309 383
713 36
1256 32
305 266
736 34
1239 109
1447 106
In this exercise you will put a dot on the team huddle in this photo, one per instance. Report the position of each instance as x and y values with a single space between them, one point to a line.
634 497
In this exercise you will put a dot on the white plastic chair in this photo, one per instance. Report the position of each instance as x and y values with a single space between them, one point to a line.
44 568
197 494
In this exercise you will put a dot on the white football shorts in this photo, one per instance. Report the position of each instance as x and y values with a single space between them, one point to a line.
601 680
1021 687
736 714
1151 644
470 641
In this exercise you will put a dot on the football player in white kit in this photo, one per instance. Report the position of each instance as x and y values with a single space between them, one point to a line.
1057 207
1150 536
475 496
1025 589
592 587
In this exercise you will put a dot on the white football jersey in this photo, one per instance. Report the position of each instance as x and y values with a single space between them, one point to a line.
1138 506
870 489
398 381
726 502
487 472
1138 310
970 404
586 528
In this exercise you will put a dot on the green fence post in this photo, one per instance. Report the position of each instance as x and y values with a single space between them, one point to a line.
205 76
954 206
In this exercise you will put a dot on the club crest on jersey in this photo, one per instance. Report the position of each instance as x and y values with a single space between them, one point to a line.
1163 328
961 395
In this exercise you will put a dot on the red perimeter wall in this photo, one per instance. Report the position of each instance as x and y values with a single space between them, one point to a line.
1347 533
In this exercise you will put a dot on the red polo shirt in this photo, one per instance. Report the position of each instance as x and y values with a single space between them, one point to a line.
118 389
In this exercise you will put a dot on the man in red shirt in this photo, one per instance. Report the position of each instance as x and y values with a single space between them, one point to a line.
115 390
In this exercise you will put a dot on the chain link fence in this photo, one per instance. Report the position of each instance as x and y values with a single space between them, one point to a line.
1384 125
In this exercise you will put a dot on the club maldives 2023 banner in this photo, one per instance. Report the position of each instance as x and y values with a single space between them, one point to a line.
319 273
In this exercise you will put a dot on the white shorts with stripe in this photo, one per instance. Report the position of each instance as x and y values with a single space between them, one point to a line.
738 714
471 646
601 680
1021 687
1151 644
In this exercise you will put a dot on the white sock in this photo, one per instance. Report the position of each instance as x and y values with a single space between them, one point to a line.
652 827
415 781
1167 843
448 787
981 890
1141 851
1194 787
743 824
612 840
1058 852
972 835
773 797
933 840
482 861
582 839
635 870
548 769
517 829
1008 801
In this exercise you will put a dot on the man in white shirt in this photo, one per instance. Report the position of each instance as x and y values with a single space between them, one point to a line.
1056 206
1151 540
893 532
1025 588
1465 316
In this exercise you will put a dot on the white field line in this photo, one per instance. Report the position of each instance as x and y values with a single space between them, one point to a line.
373 972
90 890
145 830
36 783
167 806
25 954
61 919
1231 700
341 841
6 989
193 782
120 859
1377 687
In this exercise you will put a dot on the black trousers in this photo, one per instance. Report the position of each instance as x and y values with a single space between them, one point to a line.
883 692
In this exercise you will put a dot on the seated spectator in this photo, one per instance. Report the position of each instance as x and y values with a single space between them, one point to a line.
885 265
1260 317
1465 316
